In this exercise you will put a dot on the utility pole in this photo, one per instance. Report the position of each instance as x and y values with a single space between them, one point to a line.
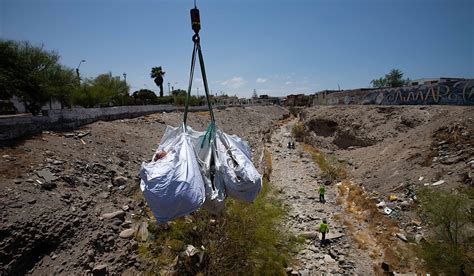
197 88
169 89
125 77
77 71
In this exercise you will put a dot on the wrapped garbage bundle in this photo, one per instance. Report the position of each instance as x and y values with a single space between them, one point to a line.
234 163
205 148
173 185
198 170
195 168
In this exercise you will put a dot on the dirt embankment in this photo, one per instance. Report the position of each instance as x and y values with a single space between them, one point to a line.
387 146
67 199
393 150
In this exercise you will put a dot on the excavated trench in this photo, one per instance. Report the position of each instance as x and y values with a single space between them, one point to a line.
343 138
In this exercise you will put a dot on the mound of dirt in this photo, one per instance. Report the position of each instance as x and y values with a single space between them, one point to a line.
385 146
69 200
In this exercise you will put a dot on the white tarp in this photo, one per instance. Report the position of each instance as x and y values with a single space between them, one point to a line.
173 185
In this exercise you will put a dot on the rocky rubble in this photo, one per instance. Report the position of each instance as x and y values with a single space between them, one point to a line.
70 202
297 180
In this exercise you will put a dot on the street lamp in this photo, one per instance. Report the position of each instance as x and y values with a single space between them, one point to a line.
77 70
125 77
169 89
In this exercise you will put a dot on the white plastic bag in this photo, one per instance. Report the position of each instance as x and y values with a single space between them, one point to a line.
234 165
173 185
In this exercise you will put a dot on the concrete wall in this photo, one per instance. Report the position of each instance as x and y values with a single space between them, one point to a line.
15 126
453 93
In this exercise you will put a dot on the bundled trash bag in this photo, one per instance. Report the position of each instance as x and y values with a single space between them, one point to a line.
192 169
234 164
173 185
213 181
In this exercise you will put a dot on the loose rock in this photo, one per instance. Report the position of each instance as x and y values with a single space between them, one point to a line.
128 233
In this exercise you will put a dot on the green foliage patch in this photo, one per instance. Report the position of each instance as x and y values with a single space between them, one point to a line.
449 249
299 131
245 239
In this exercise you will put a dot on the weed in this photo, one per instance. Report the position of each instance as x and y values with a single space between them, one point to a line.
450 248
299 132
246 238
294 111
331 168
268 163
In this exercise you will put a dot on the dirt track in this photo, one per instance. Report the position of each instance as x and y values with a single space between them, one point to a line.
297 179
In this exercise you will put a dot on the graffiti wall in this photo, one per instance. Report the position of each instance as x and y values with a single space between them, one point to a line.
453 93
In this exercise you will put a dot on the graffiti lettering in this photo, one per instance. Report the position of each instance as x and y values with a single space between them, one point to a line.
454 92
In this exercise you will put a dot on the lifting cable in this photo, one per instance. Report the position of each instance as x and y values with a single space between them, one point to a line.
196 26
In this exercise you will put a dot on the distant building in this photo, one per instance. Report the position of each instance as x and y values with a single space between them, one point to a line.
428 81
298 100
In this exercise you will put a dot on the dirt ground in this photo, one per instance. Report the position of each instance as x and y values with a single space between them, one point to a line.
391 151
385 146
67 198
297 179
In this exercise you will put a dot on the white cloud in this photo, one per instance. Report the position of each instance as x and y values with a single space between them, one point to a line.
261 80
288 82
235 82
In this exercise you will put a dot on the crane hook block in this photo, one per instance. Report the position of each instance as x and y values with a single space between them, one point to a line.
195 20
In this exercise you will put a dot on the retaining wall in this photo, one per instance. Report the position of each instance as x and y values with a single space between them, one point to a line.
12 127
449 93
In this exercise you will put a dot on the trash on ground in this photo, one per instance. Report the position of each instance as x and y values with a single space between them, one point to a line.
392 197
387 210
438 183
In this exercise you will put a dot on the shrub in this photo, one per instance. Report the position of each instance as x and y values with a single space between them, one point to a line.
299 132
293 111
448 250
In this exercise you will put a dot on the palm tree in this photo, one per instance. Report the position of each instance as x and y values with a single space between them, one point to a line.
157 74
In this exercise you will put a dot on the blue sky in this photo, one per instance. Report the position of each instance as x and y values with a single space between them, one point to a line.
276 47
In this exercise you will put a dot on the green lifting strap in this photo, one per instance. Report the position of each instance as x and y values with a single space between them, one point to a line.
197 48
209 131
196 26
191 75
204 78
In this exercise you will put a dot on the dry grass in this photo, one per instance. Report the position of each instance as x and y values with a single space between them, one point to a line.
362 209
268 163
330 167
284 121
299 132
362 240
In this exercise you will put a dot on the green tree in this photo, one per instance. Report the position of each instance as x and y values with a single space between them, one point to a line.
104 90
393 79
144 96
449 250
379 83
31 73
157 74
63 84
